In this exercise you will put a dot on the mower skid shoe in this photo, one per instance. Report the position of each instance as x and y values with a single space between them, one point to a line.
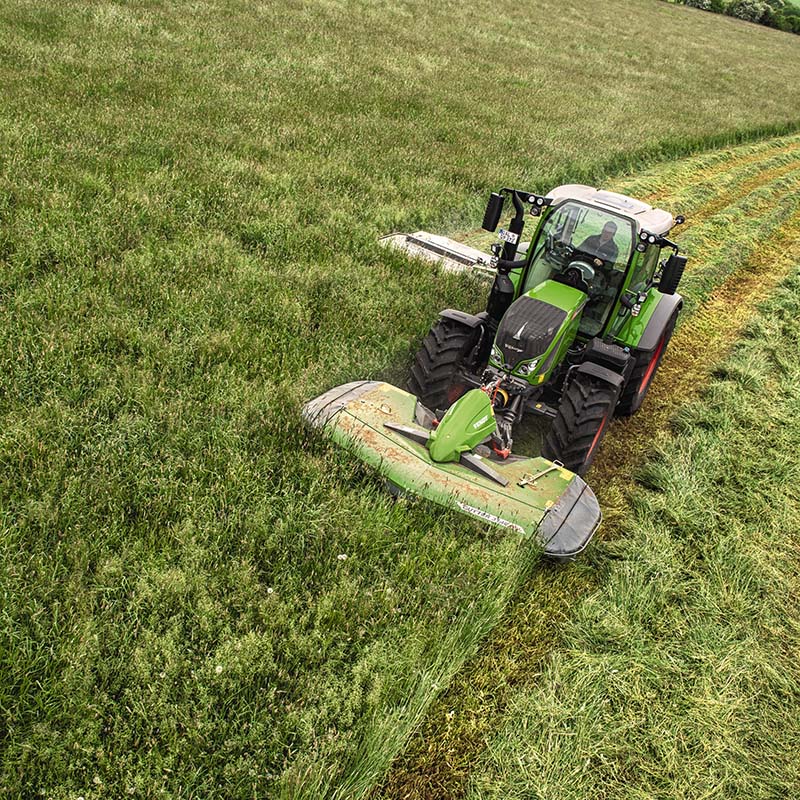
321 410
534 497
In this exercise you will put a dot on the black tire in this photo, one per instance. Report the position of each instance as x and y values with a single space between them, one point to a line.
584 413
436 375
644 371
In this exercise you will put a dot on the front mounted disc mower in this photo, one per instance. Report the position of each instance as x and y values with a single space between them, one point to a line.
389 429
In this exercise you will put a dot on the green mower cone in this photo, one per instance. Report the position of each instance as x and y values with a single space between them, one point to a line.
464 426
386 428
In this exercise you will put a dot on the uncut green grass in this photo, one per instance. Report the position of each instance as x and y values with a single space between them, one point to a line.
678 677
189 197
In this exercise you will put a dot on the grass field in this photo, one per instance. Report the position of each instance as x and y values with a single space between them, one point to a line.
198 599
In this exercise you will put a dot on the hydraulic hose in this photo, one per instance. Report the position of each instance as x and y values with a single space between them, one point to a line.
505 266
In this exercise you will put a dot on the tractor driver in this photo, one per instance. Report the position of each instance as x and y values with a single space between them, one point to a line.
602 245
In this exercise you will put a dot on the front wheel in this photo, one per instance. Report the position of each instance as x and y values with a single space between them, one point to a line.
643 373
437 375
585 410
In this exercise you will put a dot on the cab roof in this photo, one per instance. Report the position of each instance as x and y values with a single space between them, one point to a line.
653 220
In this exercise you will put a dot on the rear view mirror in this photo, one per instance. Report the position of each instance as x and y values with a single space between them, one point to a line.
671 274
494 208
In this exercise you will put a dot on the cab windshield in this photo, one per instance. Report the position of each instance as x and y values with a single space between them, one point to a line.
587 248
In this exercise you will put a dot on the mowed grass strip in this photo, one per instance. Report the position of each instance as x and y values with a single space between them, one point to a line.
754 252
677 677
713 179
197 598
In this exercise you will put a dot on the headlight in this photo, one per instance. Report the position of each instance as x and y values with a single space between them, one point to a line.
496 356
529 368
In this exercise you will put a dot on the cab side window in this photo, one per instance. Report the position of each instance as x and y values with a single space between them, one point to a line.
645 270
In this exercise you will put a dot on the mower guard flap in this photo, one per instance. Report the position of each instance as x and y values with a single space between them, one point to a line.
540 500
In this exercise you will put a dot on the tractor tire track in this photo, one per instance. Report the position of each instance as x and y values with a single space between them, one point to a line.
439 758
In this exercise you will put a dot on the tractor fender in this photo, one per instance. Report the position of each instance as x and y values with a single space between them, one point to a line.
602 373
668 304
470 321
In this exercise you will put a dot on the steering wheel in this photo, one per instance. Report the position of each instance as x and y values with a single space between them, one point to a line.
573 276
591 258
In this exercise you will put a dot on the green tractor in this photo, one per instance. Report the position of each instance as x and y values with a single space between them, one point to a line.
576 324
574 330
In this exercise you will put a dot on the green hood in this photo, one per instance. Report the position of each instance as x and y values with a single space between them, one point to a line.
537 329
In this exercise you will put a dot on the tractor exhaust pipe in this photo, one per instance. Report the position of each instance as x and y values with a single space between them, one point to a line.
502 294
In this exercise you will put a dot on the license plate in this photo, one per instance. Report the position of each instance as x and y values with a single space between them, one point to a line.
508 236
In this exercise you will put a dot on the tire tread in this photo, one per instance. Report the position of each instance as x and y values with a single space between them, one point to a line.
438 362
586 406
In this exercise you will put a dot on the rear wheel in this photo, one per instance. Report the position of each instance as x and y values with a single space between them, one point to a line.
643 373
586 409
437 376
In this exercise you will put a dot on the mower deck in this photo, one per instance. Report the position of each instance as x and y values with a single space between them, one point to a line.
450 255
539 499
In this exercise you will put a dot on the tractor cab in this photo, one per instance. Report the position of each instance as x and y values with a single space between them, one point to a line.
586 248
590 239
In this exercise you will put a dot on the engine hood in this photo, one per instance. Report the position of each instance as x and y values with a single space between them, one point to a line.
535 323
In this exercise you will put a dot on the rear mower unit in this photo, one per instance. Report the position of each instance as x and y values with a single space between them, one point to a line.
573 331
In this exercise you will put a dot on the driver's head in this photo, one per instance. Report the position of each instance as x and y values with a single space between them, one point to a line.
609 229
